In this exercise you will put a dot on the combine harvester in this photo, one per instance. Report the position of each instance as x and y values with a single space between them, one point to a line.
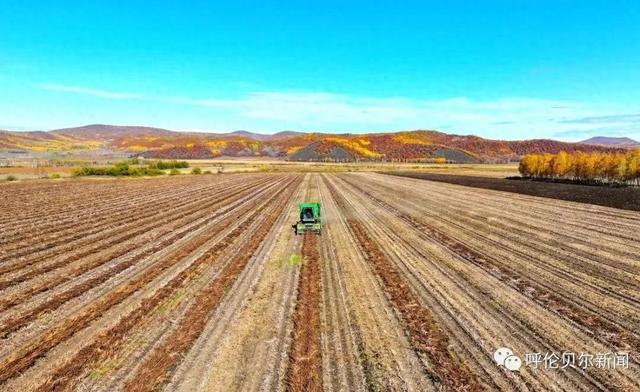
309 219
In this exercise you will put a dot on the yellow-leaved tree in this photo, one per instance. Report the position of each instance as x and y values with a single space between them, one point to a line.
591 167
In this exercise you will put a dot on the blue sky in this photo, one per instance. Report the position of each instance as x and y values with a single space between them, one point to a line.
508 69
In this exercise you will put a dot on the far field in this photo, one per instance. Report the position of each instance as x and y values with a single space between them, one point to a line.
30 170
192 282
624 197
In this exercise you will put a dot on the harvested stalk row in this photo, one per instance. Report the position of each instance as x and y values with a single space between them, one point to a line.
160 364
205 282
25 357
425 335
604 329
51 304
111 339
113 221
114 236
304 372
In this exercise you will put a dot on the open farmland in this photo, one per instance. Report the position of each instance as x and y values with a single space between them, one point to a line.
195 283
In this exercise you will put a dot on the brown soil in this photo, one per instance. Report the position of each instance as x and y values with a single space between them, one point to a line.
590 321
159 366
627 198
412 285
305 360
425 334
111 339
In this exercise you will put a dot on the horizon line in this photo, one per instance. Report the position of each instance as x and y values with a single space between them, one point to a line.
324 132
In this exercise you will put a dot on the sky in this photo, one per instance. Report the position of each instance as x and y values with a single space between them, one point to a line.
504 69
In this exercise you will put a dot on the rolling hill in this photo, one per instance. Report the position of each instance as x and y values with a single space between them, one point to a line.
398 146
622 142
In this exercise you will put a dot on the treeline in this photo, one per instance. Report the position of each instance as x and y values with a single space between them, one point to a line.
584 167
132 168
166 165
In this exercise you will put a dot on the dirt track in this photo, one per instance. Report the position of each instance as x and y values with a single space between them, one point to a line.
198 283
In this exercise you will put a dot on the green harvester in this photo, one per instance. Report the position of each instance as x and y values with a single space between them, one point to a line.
309 219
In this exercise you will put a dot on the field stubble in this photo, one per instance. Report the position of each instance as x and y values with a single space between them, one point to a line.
193 283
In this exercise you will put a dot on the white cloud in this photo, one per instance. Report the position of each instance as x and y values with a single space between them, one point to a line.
508 118
503 118
89 91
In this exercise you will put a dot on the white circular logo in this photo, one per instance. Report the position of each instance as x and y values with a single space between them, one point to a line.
501 354
513 363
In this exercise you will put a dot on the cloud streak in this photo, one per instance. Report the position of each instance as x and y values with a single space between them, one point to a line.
511 118
503 118
621 118
90 91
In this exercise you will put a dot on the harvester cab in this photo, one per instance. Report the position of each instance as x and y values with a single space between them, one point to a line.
309 219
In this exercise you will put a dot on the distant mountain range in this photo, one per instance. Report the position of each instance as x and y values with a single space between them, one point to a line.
397 146
623 142
264 137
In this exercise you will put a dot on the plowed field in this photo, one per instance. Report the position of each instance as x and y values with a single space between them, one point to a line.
197 283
